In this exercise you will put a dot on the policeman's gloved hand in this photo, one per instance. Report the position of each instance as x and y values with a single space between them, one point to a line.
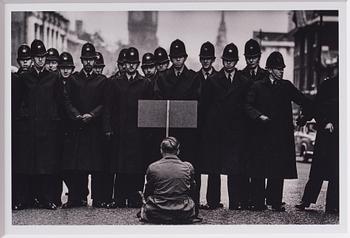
301 120
109 135
79 117
264 118
329 127
87 117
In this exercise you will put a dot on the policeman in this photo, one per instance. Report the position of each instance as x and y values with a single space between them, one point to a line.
224 130
325 163
128 156
37 153
252 53
121 62
83 153
179 83
24 59
149 66
99 63
52 60
65 66
272 153
207 58
161 58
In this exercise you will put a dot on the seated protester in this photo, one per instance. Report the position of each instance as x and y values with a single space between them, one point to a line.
170 188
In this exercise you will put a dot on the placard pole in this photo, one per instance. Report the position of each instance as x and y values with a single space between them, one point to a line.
167 118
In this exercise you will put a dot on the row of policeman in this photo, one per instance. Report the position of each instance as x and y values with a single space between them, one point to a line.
67 125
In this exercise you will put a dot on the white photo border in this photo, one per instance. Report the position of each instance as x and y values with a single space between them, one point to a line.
203 230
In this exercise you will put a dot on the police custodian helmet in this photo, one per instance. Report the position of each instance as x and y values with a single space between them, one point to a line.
177 49
148 60
161 56
207 51
230 52
275 61
99 59
122 56
88 51
170 145
65 60
52 54
37 48
252 48
23 52
132 55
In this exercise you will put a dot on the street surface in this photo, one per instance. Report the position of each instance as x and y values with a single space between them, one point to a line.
293 190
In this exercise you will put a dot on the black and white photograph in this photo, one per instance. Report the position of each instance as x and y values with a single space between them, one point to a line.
174 116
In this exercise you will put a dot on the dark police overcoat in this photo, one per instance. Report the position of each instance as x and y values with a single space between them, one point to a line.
83 146
223 137
184 87
325 162
260 74
38 104
272 143
129 143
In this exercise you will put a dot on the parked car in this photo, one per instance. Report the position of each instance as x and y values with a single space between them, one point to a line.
304 137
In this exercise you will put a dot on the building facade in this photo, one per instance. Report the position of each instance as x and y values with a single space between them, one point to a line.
50 27
316 37
143 26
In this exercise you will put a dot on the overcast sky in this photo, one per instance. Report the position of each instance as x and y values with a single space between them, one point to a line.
193 27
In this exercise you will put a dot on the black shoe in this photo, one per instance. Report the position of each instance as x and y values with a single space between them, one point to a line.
244 207
234 207
270 204
258 207
99 204
211 207
71 204
301 206
115 204
49 205
277 208
19 206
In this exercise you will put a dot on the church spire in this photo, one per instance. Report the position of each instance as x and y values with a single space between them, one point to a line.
221 38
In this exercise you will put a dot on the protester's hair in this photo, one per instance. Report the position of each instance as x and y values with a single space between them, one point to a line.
170 145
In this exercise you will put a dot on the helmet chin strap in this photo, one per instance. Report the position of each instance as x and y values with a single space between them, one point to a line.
275 77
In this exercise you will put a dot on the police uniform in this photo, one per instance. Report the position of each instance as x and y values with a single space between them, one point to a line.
38 128
213 195
22 194
128 159
174 84
83 152
272 155
224 129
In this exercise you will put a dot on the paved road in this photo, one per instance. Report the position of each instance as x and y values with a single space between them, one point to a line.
92 216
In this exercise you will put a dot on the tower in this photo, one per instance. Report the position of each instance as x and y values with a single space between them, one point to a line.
142 26
221 40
